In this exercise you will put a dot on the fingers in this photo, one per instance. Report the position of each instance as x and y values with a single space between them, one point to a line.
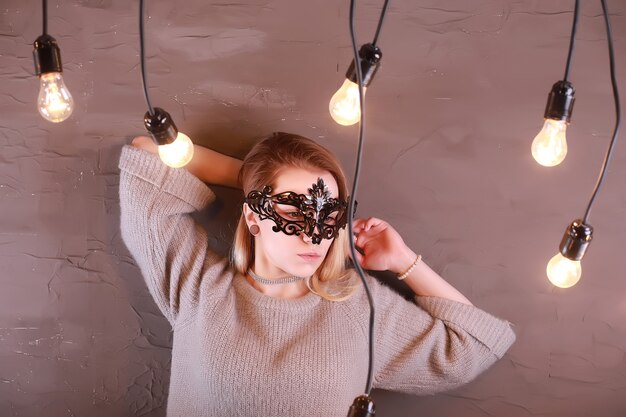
146 143
359 258
360 240
360 225
355 239
140 141
373 222
357 225
366 230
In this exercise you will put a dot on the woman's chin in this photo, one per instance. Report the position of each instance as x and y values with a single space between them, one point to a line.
303 270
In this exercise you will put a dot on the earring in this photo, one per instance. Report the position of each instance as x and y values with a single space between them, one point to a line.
254 230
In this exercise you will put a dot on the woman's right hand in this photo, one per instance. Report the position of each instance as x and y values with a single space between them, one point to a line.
145 143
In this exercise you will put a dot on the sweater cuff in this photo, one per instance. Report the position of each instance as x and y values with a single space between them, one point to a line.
175 181
491 331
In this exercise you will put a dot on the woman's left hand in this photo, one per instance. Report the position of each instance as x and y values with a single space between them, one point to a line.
382 246
145 143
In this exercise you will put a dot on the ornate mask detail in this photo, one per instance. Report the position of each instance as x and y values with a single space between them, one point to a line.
316 214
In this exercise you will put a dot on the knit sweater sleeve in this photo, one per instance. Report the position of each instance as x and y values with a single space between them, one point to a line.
169 246
434 345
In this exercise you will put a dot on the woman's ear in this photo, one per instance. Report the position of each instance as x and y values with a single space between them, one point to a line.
251 220
249 215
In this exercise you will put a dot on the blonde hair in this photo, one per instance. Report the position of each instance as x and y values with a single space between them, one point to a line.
332 280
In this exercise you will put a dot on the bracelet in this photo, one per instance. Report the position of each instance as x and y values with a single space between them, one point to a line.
412 267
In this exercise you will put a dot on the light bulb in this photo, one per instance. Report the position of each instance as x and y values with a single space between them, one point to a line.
345 107
549 146
178 153
54 102
563 272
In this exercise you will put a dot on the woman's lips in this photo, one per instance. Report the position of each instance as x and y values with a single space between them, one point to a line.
309 257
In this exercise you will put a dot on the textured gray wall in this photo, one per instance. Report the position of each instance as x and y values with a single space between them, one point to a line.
451 116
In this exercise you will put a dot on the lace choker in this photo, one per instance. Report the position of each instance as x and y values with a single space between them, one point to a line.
283 280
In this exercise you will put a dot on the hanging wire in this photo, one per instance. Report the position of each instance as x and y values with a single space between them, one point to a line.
44 7
571 41
383 13
618 111
142 58
357 169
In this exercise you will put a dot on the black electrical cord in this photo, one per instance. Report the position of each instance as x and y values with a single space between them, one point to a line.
618 111
45 16
571 41
357 169
383 13
142 58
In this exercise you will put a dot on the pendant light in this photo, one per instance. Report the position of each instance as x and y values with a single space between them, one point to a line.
54 102
564 269
175 148
344 106
549 147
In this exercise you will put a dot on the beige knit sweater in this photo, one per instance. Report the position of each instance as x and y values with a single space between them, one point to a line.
238 352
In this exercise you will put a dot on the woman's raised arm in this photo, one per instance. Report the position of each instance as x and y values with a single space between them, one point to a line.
383 249
168 245
443 343
208 165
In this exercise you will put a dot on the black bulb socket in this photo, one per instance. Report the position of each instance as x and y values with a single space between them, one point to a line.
576 239
47 55
363 406
160 126
560 102
370 59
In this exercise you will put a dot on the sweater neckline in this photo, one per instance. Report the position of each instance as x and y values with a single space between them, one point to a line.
254 296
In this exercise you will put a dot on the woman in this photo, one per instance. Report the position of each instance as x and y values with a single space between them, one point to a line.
281 328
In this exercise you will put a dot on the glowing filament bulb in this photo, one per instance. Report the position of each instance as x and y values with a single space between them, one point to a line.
344 106
54 102
549 146
563 272
178 153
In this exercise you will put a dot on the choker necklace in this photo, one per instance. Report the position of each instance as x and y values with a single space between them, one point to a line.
284 280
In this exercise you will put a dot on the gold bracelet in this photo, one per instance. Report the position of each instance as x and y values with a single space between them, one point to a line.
412 267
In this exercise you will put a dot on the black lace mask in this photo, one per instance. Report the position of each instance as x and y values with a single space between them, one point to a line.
316 214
